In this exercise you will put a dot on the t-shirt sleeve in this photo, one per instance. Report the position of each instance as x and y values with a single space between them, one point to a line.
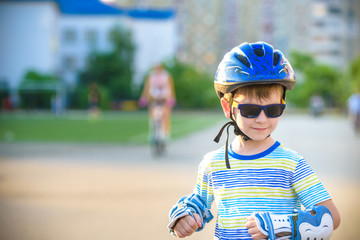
204 187
308 186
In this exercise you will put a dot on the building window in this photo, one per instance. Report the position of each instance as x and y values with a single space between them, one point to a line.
69 63
334 10
319 24
334 52
91 38
69 36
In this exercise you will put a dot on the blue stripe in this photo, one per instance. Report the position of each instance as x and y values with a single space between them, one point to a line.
252 177
230 234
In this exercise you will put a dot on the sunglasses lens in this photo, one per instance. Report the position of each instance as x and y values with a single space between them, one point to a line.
274 111
250 111
253 111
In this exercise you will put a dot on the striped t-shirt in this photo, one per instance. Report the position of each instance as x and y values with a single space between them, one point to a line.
277 180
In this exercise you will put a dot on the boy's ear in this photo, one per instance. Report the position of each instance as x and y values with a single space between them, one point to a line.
225 106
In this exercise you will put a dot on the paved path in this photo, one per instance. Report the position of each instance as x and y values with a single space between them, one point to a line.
90 191
327 143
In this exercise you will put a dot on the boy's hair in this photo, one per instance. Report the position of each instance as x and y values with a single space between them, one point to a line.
259 91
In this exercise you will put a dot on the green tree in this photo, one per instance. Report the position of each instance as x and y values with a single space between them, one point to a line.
37 90
113 70
316 78
194 89
355 74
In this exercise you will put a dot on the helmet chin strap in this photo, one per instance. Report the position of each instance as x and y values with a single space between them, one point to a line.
237 132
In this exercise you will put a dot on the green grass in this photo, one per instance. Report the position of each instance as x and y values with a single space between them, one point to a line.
123 127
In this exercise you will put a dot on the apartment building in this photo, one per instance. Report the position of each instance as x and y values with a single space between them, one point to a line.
327 29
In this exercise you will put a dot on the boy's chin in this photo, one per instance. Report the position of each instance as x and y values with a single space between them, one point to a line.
258 137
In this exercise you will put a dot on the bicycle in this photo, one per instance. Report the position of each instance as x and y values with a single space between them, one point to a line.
157 130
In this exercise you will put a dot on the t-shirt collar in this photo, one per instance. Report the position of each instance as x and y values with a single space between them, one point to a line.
255 156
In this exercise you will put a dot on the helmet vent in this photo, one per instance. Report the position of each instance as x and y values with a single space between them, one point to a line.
259 52
243 60
276 58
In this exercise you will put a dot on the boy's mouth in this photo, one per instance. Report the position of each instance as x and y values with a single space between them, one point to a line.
260 129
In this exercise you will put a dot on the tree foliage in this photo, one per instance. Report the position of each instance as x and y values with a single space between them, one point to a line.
37 90
111 71
4 90
316 78
355 74
194 88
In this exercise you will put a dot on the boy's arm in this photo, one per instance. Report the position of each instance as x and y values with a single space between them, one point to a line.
198 203
334 211
172 87
315 223
144 98
145 92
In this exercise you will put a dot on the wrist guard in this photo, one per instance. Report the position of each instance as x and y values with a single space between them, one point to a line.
188 205
303 225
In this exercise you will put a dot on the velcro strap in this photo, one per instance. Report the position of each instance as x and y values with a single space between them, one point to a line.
275 226
265 225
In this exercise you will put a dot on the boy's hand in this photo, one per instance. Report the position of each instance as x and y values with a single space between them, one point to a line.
187 225
253 228
143 101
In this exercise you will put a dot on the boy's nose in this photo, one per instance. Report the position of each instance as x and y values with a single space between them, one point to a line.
262 117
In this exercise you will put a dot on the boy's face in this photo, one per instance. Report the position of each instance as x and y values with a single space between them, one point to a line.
258 128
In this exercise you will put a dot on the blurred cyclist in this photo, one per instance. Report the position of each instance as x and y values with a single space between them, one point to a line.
159 87
354 110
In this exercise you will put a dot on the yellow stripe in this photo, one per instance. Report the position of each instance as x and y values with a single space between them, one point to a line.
306 182
285 164
232 223
249 192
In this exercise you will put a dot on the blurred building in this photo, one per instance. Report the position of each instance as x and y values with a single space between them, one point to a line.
56 37
28 38
334 31
82 28
199 32
327 29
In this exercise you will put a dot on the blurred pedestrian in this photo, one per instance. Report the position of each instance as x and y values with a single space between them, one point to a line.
257 183
317 105
159 88
93 98
6 104
354 110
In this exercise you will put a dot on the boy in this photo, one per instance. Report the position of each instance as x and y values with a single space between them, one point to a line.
258 184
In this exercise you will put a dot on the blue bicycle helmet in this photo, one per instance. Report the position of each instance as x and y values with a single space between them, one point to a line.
253 63
250 64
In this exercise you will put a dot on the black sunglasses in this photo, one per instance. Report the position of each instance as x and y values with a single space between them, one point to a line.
253 110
